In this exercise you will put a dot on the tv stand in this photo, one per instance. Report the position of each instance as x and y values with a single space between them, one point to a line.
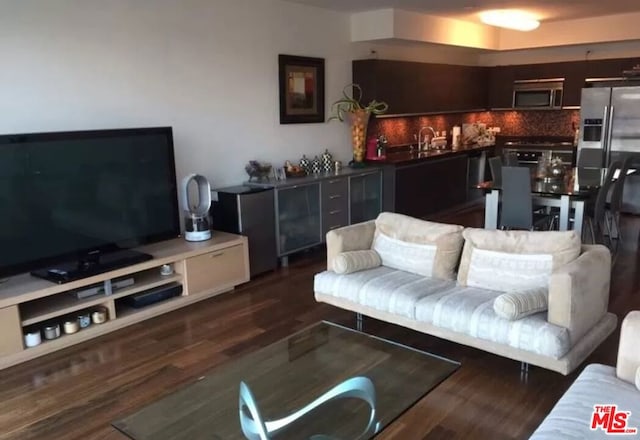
91 264
202 269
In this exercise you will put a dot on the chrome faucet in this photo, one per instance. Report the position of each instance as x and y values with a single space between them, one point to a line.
420 144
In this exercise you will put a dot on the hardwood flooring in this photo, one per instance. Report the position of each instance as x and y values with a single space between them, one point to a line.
76 393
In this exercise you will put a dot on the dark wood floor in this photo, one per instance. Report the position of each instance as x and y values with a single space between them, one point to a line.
76 393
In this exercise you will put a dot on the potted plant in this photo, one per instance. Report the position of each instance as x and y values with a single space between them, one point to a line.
349 109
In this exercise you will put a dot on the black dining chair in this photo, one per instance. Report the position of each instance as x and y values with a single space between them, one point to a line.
495 164
589 158
511 159
595 212
517 202
613 207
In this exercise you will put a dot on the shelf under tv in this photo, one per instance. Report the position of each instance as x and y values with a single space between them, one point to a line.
204 269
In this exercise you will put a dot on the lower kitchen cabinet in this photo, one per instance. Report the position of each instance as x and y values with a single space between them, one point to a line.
307 208
365 197
298 218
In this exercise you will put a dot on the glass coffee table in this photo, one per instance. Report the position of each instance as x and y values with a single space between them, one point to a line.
324 382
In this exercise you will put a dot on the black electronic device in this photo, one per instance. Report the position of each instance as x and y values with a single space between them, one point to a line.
153 296
69 200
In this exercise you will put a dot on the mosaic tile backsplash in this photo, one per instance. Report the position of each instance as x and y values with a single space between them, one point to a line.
512 123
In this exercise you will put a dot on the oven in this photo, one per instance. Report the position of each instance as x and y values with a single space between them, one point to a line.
528 156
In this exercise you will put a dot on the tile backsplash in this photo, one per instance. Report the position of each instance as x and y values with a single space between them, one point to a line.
401 130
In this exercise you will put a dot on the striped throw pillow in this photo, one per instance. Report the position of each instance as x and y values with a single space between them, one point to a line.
354 261
518 304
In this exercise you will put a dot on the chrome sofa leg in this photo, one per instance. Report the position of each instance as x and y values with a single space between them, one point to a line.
359 322
524 372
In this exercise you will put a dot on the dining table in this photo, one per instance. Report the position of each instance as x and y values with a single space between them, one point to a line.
569 193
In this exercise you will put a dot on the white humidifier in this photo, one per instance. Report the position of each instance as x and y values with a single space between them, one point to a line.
196 221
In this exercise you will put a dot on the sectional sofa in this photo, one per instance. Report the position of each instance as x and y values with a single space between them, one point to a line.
535 297
604 386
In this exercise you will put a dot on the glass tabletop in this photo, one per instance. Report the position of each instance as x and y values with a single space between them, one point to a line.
326 381
580 182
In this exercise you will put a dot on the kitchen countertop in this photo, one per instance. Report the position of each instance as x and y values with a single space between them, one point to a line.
312 178
405 156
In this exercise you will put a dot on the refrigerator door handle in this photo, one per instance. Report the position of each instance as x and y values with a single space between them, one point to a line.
609 136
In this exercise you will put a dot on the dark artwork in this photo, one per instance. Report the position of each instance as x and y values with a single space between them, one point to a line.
301 89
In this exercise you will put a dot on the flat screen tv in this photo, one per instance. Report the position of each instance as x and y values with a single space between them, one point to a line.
73 203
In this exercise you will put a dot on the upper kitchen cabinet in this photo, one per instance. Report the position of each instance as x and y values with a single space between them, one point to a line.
611 68
412 87
501 87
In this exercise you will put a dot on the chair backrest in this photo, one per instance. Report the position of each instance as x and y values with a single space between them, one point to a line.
517 203
590 158
618 186
495 164
603 192
511 159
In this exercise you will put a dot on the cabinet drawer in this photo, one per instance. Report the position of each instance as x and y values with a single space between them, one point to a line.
334 219
210 271
335 189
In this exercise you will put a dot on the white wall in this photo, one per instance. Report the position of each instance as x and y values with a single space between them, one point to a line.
206 67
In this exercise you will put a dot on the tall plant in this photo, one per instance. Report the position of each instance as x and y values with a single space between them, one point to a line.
351 104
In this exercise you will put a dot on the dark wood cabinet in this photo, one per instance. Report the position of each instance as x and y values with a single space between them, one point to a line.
412 87
501 87
431 186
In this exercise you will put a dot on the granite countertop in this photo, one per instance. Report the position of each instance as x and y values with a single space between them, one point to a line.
404 156
312 178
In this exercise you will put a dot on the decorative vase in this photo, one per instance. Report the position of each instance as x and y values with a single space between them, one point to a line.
327 161
305 164
359 120
316 166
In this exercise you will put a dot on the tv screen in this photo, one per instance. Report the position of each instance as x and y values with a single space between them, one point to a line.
66 194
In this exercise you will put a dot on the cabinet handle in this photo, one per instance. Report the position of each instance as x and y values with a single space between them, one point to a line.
335 196
334 181
217 254
337 211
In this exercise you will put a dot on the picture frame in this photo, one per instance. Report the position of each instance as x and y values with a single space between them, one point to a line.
301 84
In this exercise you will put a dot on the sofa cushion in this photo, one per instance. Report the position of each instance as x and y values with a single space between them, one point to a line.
382 288
518 304
512 260
571 416
354 261
638 378
469 310
418 246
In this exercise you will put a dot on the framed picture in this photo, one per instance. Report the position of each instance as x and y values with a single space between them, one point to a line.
301 89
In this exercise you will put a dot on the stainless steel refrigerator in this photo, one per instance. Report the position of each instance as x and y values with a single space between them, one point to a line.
610 122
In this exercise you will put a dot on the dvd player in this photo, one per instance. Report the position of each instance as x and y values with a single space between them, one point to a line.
153 296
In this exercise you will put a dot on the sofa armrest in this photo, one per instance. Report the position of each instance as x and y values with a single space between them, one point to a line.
628 353
579 291
356 237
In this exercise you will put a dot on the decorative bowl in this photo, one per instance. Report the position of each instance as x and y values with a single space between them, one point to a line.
258 170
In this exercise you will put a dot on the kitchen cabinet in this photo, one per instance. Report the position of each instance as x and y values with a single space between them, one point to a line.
611 68
365 197
413 87
298 220
306 208
432 186
501 87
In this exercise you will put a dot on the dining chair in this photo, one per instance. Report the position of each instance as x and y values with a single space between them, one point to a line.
511 159
589 158
613 207
517 202
595 214
495 164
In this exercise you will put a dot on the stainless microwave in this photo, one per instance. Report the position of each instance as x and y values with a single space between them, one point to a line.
538 93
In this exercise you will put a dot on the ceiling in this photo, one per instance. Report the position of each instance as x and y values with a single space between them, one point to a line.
467 9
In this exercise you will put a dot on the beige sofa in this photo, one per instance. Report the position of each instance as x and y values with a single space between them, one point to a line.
600 385
458 306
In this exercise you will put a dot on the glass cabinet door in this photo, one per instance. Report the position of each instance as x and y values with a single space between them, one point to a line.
298 225
365 194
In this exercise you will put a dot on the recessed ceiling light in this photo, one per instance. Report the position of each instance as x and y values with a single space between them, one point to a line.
510 19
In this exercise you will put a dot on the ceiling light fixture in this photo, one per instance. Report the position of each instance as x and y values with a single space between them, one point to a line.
510 19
